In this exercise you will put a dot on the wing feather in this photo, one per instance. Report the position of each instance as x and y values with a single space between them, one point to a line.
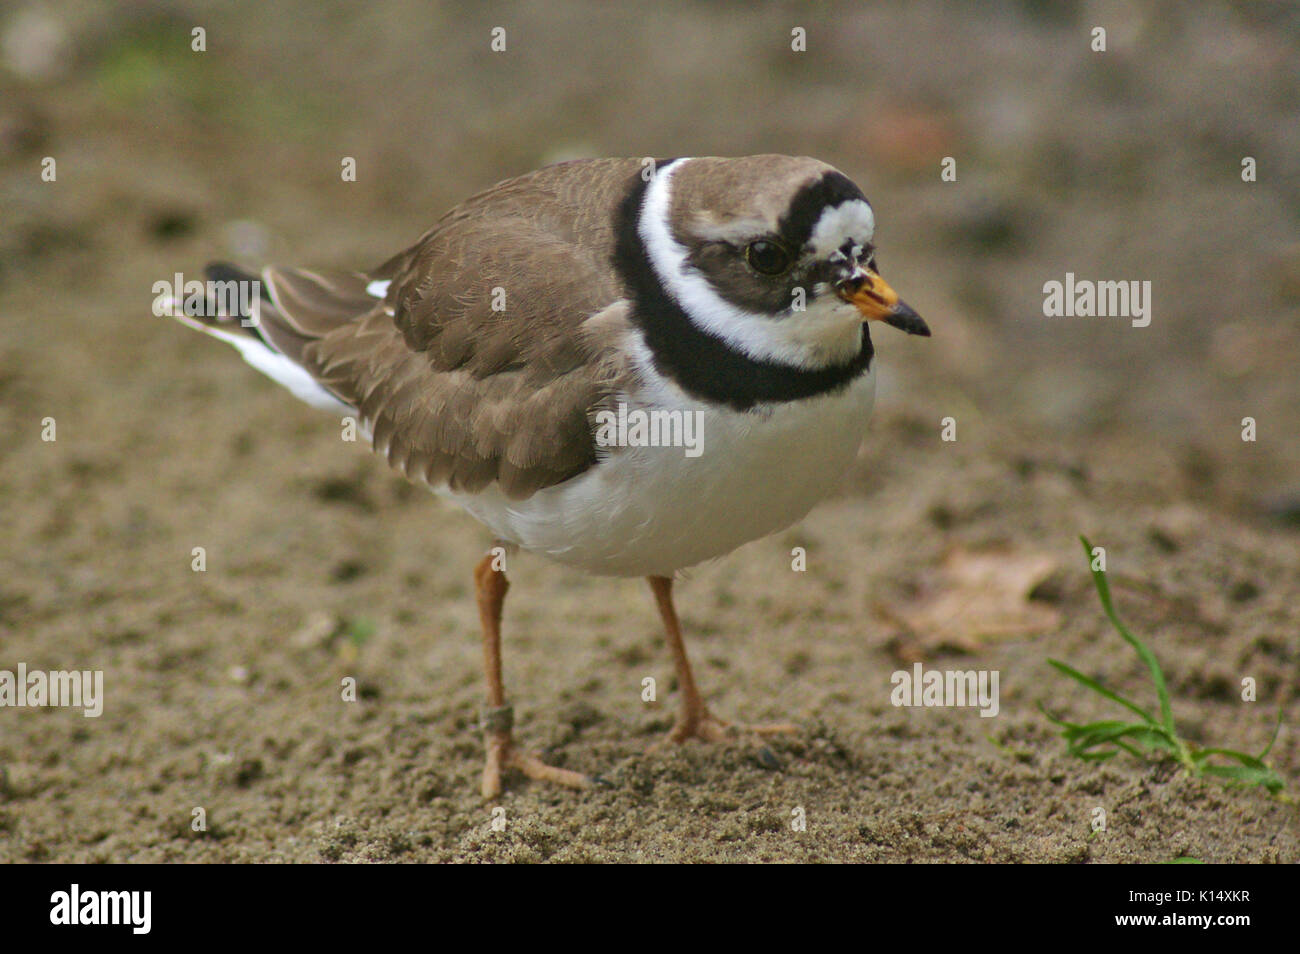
482 363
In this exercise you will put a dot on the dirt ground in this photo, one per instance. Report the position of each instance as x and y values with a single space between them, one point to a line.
223 686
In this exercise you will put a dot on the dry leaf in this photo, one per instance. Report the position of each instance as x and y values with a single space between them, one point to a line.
972 599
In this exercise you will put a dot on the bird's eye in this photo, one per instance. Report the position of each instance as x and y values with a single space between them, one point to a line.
767 258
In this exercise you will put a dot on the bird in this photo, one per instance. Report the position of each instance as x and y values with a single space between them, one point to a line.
498 360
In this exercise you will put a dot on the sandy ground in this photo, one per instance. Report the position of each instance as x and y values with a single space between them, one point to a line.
222 686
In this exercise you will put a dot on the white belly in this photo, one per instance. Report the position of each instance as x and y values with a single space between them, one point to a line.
653 510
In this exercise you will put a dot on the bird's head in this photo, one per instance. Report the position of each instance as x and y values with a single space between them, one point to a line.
774 255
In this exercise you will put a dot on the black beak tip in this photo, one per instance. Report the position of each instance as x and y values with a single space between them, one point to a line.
905 319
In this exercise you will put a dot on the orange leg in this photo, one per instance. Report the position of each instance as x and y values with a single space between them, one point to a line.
695 721
490 585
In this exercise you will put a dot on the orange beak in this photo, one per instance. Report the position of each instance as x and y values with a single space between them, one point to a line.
872 296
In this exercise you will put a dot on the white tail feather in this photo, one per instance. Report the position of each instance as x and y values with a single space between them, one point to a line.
273 364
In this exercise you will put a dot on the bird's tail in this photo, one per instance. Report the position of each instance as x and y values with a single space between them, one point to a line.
236 307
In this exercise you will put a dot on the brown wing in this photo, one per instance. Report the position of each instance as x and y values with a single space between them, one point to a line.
484 362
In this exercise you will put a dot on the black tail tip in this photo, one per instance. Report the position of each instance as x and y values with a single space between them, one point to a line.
222 272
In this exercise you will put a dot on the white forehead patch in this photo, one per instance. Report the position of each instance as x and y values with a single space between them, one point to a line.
838 224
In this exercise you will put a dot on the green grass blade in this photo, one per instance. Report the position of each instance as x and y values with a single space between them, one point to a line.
1277 727
1051 718
1242 757
1250 769
1136 753
1080 740
1248 775
1098 688
1106 730
1072 730
1140 734
1147 656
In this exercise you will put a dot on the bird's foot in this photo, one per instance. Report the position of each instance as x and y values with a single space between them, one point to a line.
704 726
502 754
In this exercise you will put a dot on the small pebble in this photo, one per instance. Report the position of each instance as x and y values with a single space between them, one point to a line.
768 760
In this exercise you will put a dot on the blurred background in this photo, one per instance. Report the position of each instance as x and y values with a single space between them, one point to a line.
1117 165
